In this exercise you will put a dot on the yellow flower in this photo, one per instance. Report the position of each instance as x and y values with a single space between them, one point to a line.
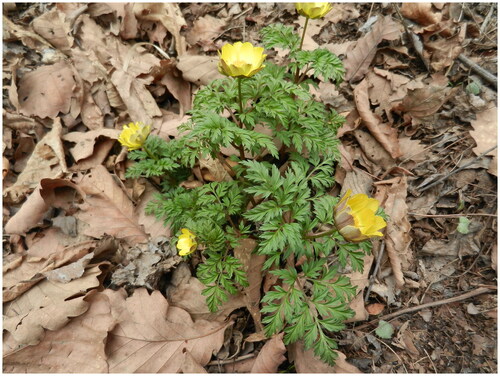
186 243
313 10
355 217
241 59
134 135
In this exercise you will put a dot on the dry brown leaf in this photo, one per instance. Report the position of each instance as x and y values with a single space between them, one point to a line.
270 356
30 214
46 161
377 158
185 292
252 264
85 141
101 151
422 13
67 273
204 32
213 170
190 365
69 349
169 15
152 226
107 209
55 28
485 131
200 70
375 308
151 335
47 91
177 86
383 132
393 195
443 52
420 105
306 362
50 250
359 58
48 305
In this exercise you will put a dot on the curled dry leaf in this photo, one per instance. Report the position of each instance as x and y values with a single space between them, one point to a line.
270 356
46 161
151 335
69 349
85 141
383 132
169 15
422 13
177 86
47 91
359 58
392 194
48 305
67 273
107 209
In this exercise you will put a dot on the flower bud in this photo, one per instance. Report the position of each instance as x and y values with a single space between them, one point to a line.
186 243
355 217
313 10
241 59
134 135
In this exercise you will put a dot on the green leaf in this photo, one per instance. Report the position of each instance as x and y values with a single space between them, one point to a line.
279 35
463 225
384 330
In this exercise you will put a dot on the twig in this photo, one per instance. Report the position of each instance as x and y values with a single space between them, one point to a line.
433 366
487 19
229 361
490 78
394 352
417 44
467 295
422 189
453 215
375 271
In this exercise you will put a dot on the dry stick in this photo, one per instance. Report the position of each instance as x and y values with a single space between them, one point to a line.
229 361
490 78
375 271
487 19
467 295
453 215
457 170
417 44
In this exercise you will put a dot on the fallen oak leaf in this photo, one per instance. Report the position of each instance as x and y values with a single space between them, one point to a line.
419 105
46 161
421 13
270 356
68 349
151 335
107 209
49 305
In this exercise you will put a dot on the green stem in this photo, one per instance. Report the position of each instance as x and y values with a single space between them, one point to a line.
240 96
151 155
321 234
296 79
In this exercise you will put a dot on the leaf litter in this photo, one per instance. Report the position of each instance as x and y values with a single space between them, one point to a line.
77 73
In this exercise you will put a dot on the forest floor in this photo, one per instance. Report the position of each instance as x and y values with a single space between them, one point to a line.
94 285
